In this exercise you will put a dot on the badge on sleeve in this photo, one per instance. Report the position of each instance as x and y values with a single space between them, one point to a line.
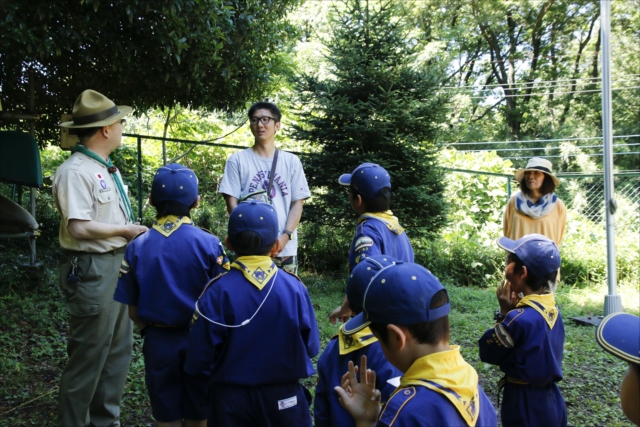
363 244
503 336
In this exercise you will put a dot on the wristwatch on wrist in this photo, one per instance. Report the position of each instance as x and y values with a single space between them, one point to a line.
288 233
498 317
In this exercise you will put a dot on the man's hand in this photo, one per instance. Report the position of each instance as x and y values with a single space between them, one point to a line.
132 230
360 398
506 297
283 239
342 313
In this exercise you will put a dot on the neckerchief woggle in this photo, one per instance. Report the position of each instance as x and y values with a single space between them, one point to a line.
387 217
544 304
352 342
112 170
257 269
170 223
451 376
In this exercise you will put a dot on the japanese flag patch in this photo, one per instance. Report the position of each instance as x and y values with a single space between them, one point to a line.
287 403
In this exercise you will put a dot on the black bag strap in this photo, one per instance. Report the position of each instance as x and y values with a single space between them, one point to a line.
273 172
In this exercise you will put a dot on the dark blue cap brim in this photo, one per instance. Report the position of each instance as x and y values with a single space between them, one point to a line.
506 244
356 324
619 334
345 179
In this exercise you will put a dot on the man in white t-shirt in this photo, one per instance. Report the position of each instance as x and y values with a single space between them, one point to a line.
248 171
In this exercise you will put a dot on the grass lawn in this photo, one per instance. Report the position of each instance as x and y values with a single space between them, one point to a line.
33 327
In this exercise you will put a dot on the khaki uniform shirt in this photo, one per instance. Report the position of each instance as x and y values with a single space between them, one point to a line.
84 189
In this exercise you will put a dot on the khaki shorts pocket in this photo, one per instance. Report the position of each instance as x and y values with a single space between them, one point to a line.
83 310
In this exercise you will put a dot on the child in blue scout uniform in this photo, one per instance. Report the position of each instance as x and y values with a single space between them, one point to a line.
619 334
377 230
528 339
163 272
408 310
254 331
351 346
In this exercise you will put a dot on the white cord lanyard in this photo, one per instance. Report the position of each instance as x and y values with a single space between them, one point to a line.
249 319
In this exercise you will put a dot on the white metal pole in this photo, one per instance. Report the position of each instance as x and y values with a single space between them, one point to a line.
612 302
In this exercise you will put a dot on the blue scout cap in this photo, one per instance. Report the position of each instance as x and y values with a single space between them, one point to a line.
255 216
619 334
537 252
368 179
175 182
362 275
399 294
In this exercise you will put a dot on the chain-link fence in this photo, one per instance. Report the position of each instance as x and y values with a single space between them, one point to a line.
588 196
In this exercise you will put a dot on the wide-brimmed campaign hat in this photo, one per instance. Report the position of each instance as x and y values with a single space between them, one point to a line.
537 164
93 109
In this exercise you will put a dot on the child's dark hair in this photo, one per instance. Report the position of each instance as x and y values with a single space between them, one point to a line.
262 105
427 332
535 283
172 207
248 243
380 203
548 186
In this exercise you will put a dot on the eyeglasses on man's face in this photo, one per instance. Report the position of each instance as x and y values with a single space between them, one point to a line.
264 120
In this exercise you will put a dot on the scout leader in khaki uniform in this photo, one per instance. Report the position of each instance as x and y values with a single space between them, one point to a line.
96 224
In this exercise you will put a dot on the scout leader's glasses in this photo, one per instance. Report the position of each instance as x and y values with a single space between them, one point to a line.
264 120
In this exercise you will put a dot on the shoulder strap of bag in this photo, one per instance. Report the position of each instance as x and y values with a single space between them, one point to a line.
273 172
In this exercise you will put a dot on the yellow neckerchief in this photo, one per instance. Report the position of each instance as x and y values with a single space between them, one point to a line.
170 223
355 341
387 217
544 304
257 269
449 374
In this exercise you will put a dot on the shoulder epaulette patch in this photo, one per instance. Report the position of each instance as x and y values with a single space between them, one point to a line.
396 404
204 229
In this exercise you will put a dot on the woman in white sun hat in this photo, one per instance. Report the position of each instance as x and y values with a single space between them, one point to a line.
535 209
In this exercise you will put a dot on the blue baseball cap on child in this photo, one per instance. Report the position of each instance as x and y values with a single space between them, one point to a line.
255 216
175 182
368 179
619 334
360 278
537 252
400 294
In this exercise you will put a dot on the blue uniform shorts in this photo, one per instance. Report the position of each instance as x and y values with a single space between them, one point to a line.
174 395
260 406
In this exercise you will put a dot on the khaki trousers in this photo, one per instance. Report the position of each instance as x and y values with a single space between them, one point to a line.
98 345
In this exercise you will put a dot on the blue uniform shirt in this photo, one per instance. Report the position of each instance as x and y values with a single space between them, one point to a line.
528 347
166 268
440 389
274 347
331 367
379 234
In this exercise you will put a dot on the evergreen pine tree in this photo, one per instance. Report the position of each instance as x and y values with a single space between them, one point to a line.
378 106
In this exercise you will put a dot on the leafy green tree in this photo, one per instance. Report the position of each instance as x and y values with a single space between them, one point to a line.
213 54
379 105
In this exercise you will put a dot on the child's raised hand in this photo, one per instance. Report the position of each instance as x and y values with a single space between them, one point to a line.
360 398
507 298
